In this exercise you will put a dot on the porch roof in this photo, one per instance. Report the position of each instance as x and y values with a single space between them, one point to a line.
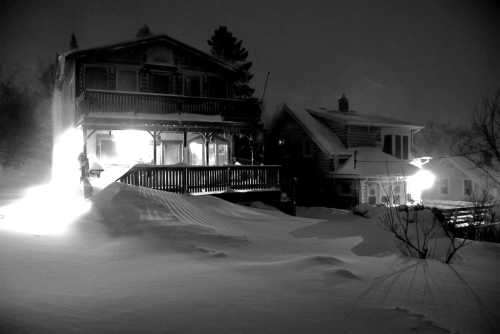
160 122
372 162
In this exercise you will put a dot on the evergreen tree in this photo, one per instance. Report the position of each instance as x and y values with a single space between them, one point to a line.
144 31
228 48
73 44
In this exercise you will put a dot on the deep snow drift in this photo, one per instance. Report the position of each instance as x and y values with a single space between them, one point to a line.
145 261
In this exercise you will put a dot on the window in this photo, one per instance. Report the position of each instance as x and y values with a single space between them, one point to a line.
162 82
397 152
467 187
372 193
401 148
218 153
388 144
216 87
172 152
192 86
106 148
196 152
443 186
96 77
126 80
307 149
406 148
345 188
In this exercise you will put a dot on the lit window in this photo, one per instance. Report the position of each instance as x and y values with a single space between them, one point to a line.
218 153
172 152
196 152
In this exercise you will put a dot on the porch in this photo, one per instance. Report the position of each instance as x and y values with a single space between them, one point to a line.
198 180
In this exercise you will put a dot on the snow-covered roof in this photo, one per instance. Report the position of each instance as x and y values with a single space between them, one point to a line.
321 134
149 40
355 118
372 162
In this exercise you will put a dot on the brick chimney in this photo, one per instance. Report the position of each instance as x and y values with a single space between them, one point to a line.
343 103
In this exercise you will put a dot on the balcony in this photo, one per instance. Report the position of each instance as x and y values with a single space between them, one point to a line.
199 180
102 101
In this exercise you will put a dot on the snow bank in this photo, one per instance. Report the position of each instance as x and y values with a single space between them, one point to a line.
146 261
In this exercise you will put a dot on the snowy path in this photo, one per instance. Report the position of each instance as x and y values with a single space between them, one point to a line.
145 261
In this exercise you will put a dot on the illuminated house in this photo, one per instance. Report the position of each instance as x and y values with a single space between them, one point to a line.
341 157
460 182
167 112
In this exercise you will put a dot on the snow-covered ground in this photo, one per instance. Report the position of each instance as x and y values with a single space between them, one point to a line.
145 261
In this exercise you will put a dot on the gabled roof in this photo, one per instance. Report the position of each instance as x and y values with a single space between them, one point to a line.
149 40
355 118
323 136
372 162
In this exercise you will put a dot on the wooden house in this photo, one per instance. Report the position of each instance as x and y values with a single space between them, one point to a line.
167 113
341 157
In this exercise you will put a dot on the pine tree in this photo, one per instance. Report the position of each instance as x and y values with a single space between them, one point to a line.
73 44
228 48
144 31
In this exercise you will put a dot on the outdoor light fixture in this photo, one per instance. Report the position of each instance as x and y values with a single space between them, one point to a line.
420 181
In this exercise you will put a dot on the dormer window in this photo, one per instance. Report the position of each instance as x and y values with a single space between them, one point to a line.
397 145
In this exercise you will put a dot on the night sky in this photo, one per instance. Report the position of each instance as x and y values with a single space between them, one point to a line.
415 60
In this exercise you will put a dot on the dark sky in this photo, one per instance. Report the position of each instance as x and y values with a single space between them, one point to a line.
416 60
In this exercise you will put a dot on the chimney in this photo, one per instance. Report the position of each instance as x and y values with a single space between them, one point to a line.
343 103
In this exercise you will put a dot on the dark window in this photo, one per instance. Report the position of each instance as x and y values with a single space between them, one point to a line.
96 78
444 186
388 144
193 86
467 187
162 83
307 148
126 80
345 188
406 147
398 146
216 87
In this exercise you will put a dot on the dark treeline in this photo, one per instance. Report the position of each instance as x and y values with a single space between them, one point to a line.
25 118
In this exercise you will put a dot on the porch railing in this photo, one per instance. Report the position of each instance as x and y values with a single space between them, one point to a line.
94 100
204 179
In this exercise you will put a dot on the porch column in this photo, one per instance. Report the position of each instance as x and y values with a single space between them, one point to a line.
154 147
184 148
84 133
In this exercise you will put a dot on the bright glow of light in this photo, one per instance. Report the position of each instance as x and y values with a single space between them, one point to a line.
420 181
133 146
50 209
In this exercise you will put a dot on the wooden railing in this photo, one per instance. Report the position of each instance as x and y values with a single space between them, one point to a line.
93 100
468 215
204 179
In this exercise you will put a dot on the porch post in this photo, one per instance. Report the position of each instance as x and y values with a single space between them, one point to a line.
84 133
154 147
184 148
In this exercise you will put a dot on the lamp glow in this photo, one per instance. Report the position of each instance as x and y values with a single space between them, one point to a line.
420 181
51 208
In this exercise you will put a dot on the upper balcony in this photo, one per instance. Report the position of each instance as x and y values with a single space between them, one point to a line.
102 101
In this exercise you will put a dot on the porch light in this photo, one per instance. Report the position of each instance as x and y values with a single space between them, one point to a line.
420 181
